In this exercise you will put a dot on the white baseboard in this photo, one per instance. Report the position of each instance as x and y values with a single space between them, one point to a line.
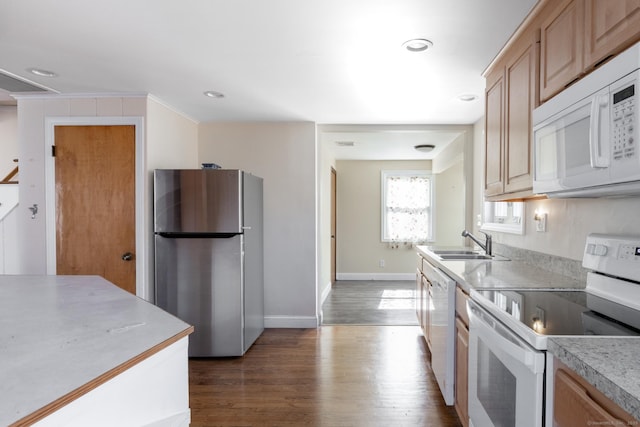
376 276
325 293
291 322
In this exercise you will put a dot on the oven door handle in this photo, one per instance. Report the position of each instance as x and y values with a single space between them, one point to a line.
501 339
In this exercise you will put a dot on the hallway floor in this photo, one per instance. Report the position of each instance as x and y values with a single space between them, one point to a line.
331 376
370 303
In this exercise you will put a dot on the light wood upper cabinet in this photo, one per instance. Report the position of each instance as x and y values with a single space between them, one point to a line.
610 27
512 93
577 35
494 134
557 44
561 46
521 98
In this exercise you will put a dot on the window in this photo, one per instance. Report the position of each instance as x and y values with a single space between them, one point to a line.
407 202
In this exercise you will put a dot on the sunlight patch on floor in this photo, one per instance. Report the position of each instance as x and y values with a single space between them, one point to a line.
397 299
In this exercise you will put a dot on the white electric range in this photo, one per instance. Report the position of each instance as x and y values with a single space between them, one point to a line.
509 329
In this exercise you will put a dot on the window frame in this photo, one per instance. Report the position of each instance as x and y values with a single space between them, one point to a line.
383 199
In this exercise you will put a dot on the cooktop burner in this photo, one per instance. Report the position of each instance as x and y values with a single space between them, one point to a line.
552 312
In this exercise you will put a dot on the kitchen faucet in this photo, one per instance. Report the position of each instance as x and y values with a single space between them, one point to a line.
487 246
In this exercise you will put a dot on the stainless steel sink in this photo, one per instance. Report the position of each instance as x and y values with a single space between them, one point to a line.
456 252
463 256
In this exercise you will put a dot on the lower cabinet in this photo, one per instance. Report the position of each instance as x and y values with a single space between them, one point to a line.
578 403
422 306
462 358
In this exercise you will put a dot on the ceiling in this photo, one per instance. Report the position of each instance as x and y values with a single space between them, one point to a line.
326 61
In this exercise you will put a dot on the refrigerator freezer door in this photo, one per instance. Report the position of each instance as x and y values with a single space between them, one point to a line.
198 201
199 280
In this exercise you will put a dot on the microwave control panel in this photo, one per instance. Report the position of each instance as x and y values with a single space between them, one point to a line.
624 123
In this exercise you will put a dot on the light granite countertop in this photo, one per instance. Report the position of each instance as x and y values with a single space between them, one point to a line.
608 363
59 333
489 274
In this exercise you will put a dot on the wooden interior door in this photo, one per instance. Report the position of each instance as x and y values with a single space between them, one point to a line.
95 202
333 225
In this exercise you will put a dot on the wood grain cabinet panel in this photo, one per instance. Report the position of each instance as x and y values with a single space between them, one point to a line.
561 47
577 403
462 358
521 98
418 299
422 303
610 27
512 94
560 42
494 135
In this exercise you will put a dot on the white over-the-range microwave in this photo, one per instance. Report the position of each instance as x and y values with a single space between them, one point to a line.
586 137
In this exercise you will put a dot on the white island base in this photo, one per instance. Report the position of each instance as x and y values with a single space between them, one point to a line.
79 351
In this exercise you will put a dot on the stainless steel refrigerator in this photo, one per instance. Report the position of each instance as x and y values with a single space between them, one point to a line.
209 256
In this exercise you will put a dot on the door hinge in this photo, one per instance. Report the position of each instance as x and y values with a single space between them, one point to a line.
53 151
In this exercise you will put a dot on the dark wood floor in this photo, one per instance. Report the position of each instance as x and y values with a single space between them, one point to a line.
370 303
331 376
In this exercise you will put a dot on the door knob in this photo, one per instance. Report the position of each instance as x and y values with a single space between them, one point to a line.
127 256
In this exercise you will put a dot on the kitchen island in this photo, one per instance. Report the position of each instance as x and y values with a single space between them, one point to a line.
78 350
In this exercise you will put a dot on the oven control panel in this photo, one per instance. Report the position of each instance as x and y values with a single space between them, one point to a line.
614 255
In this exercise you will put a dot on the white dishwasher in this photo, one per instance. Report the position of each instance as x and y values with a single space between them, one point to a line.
442 289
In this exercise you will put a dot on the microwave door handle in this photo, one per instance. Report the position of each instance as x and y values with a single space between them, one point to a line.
598 158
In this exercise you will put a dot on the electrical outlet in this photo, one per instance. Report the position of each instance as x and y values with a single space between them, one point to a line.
381 263
541 223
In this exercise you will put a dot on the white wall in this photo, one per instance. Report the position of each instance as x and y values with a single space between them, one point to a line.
8 210
32 114
478 173
450 207
162 127
326 161
358 236
569 220
284 155
8 139
171 143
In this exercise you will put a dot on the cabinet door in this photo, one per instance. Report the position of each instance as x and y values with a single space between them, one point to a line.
521 74
573 406
494 133
462 372
561 37
610 27
426 312
418 298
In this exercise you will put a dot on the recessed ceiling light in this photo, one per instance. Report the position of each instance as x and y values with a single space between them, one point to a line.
467 97
213 94
417 45
42 73
425 148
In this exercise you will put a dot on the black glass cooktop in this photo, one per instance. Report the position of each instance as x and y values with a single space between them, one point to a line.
565 312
